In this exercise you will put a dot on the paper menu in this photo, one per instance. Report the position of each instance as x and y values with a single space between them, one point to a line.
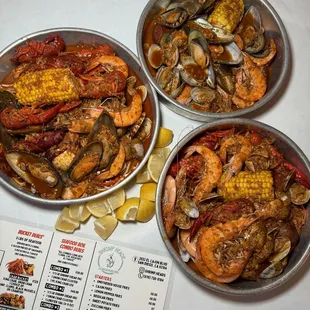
51 270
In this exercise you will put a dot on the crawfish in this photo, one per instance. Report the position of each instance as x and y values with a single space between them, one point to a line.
12 118
299 176
52 45
40 143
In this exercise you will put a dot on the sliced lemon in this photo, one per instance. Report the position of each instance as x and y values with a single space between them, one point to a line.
105 205
79 212
105 225
146 210
148 191
128 211
154 166
143 176
165 137
66 224
162 151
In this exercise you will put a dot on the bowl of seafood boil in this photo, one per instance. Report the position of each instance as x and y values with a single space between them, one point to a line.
233 208
78 116
213 58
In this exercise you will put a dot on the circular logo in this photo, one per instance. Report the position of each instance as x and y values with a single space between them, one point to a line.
110 259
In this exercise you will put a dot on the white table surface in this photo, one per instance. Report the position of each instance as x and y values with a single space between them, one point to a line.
290 114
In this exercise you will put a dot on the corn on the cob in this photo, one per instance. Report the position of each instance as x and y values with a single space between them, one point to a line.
257 185
46 86
227 14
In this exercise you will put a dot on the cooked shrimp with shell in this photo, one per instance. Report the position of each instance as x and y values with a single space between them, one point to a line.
211 56
73 121
233 206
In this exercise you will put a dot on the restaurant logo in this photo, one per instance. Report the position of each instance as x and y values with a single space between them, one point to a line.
110 259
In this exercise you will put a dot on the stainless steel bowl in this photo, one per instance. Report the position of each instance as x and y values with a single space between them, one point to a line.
274 29
300 252
73 36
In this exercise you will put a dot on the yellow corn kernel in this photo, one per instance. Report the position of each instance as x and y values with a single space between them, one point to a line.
256 185
46 87
227 14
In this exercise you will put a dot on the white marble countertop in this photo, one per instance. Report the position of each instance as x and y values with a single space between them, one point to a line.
290 114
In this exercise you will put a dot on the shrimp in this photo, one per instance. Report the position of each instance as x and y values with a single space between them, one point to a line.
251 83
116 166
129 115
212 173
109 64
75 191
241 103
222 252
265 60
168 205
236 162
189 245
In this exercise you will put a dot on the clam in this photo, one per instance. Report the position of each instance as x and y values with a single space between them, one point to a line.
182 220
134 148
136 126
85 162
192 73
155 56
192 8
203 95
211 33
251 31
274 269
231 55
142 90
224 78
299 194
169 79
145 129
37 171
173 18
188 207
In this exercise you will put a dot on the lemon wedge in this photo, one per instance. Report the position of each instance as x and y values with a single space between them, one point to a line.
148 191
105 225
165 137
143 176
128 211
105 205
66 224
146 210
79 212
162 151
154 166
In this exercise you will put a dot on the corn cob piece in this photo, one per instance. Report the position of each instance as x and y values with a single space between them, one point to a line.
46 87
257 185
227 14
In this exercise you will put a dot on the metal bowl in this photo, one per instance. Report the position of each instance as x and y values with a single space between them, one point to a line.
73 36
274 29
300 253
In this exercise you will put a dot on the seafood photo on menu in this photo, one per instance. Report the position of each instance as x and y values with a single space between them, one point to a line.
19 266
12 300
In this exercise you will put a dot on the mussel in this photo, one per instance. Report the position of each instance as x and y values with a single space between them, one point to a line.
7 99
251 31
36 171
85 162
214 35
104 131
